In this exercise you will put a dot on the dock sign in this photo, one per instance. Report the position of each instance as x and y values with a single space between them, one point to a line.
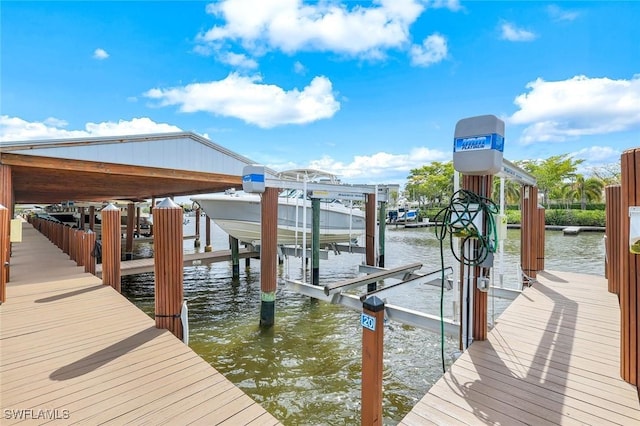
367 321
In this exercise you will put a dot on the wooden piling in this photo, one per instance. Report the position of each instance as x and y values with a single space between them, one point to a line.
382 221
90 261
372 320
541 221
315 241
629 292
80 245
235 257
6 199
370 233
128 252
111 247
528 231
81 223
168 258
4 235
268 256
613 241
207 230
481 185
92 218
196 242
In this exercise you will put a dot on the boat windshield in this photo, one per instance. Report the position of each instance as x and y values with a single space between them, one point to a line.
298 193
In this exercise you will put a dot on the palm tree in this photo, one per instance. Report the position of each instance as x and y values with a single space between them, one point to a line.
586 190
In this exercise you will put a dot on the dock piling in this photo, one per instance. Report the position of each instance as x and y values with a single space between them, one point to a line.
268 261
372 321
4 261
168 259
111 247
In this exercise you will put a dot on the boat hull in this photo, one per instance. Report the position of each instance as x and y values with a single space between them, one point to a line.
239 216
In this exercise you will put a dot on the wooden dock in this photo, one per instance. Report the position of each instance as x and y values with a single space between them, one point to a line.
75 351
140 266
553 358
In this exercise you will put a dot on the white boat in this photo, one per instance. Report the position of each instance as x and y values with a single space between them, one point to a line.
238 214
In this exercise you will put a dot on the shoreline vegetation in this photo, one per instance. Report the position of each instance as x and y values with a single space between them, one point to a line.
553 217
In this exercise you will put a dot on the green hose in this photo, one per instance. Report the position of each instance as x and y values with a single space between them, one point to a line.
457 221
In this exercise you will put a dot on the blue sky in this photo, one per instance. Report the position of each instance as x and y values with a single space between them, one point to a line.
368 90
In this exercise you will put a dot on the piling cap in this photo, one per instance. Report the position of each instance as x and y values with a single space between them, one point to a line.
373 304
167 203
110 207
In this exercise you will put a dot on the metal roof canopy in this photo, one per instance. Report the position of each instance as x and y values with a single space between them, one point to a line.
133 168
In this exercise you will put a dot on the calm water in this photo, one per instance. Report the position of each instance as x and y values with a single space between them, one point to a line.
306 369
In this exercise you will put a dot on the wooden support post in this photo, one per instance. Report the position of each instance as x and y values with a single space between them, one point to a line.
128 252
540 233
370 233
72 243
81 223
168 259
372 321
153 205
235 258
65 240
92 218
629 291
196 243
90 261
4 260
382 225
207 230
138 221
315 241
529 231
80 247
6 199
481 185
268 255
613 240
111 247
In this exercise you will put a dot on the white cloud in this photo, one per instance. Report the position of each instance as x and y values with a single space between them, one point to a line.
17 129
376 167
100 54
432 50
291 26
512 33
558 14
567 109
453 5
299 68
238 60
248 99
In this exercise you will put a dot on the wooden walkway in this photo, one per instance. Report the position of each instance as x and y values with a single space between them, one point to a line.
75 351
140 266
553 358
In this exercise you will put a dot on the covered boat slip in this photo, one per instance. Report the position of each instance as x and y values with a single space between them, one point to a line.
552 358
74 350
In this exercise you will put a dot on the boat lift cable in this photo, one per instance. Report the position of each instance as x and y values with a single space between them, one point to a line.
458 219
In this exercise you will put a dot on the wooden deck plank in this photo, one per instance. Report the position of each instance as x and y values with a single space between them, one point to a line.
70 344
553 356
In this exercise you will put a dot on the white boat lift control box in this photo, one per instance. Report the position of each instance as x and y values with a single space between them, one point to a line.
253 179
478 145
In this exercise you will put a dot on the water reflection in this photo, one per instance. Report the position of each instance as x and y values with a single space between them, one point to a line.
306 369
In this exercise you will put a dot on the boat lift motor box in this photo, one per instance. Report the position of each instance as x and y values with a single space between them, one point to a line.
478 145
253 179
